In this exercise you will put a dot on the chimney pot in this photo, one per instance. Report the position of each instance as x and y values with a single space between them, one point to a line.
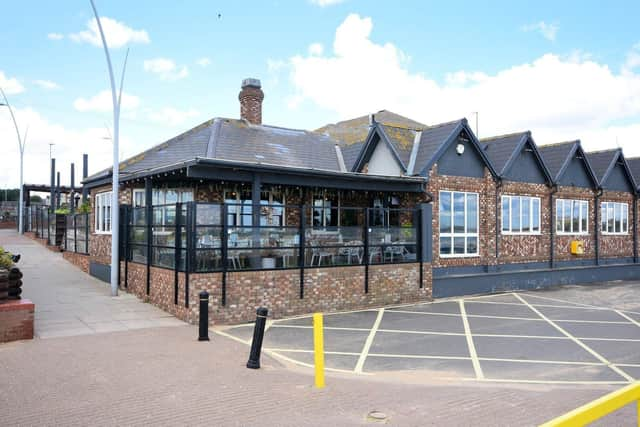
251 97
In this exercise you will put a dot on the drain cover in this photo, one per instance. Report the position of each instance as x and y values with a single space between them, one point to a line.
377 416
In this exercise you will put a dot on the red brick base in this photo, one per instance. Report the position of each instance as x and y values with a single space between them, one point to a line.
16 320
79 260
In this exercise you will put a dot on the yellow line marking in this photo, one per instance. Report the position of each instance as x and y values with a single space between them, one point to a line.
424 312
577 341
496 380
540 305
307 365
268 325
627 317
472 348
369 342
224 334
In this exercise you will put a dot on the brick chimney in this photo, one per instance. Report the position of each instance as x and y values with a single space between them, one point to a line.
251 97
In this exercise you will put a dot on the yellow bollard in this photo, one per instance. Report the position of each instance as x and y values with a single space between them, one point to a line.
318 345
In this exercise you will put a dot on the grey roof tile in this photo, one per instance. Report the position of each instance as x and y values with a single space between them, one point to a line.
499 149
634 165
555 155
431 140
601 160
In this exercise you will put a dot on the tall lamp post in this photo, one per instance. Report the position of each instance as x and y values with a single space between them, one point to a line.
115 211
21 144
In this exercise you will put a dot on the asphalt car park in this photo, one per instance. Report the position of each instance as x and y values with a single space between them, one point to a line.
525 337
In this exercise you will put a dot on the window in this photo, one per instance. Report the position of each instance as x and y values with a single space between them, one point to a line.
103 212
240 208
325 204
520 215
572 216
614 217
162 196
458 224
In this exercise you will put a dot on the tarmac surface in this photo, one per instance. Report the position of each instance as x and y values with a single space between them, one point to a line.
547 337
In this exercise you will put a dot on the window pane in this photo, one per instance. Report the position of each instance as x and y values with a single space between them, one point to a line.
472 213
603 216
575 217
445 245
458 245
515 214
505 213
526 224
617 215
566 214
535 220
472 245
458 213
625 218
610 217
584 207
445 212
559 208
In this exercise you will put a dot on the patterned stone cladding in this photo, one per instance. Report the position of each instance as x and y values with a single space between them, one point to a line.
618 245
562 242
79 260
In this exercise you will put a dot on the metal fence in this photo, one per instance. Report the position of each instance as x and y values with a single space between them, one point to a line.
211 237
76 238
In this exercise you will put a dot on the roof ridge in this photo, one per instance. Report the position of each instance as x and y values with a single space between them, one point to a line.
401 127
604 151
444 124
554 144
493 138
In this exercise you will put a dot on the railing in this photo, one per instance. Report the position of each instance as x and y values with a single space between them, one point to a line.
77 234
210 237
599 408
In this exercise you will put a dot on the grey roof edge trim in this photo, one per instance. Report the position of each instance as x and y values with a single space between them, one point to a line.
296 170
462 125
612 163
619 154
414 153
212 144
343 167
359 163
526 137
565 162
585 158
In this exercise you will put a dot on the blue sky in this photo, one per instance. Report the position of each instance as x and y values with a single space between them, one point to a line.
563 70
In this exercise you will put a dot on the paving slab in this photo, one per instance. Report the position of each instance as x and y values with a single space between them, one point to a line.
332 361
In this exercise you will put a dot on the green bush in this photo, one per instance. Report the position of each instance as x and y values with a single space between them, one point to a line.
5 259
84 208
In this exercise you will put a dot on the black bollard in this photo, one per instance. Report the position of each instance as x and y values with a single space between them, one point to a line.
258 335
204 316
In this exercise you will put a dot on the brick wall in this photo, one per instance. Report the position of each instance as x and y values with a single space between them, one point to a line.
16 320
79 260
326 289
617 246
486 189
525 247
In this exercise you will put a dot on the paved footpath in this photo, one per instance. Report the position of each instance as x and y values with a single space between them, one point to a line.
164 376
70 302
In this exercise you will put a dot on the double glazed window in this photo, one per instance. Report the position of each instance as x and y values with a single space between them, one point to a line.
572 216
162 196
458 224
240 208
614 217
103 212
520 215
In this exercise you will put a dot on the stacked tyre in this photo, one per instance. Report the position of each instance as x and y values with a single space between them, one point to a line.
10 284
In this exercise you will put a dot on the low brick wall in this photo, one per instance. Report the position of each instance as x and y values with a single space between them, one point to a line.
325 289
16 320
79 260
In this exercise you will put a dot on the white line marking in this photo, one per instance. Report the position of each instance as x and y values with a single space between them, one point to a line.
224 334
330 328
418 356
495 380
368 342
605 322
268 325
298 350
424 312
472 348
399 331
577 341
627 317
540 305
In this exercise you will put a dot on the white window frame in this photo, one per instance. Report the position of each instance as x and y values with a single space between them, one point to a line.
520 232
560 224
102 214
164 190
466 234
624 213
228 195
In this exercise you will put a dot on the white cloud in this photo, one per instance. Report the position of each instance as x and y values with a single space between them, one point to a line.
203 62
117 34
47 84
316 49
548 31
166 69
556 97
324 3
172 116
10 85
55 36
102 102
633 59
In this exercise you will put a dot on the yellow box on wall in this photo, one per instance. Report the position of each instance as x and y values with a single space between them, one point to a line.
577 247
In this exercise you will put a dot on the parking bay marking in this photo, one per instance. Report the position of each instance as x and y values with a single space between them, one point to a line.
577 341
369 342
472 348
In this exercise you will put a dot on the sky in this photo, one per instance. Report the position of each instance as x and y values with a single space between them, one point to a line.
563 70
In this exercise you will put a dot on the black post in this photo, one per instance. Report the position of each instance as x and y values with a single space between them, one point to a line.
302 242
75 235
366 250
72 202
58 191
225 252
177 251
127 218
258 336
204 316
52 194
148 191
85 173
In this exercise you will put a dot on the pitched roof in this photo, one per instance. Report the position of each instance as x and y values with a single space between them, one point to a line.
432 139
499 149
601 160
634 165
237 140
555 155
